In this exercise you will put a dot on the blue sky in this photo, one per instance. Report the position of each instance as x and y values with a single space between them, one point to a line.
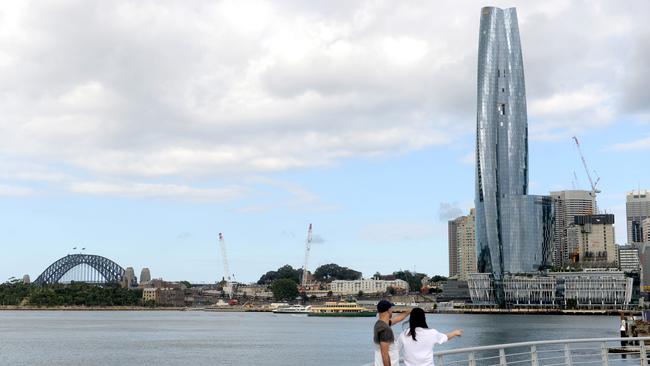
141 131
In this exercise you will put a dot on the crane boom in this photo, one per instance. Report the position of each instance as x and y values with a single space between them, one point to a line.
593 184
307 250
226 270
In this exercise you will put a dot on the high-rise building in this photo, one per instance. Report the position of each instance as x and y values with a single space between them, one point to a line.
628 258
592 238
645 229
637 209
462 246
452 227
568 204
514 230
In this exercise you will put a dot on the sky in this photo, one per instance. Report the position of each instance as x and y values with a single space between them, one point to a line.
141 129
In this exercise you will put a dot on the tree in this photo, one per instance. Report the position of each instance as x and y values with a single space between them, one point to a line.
187 284
285 271
285 289
438 278
360 294
331 272
413 279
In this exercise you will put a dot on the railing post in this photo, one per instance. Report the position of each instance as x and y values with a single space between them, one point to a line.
642 353
604 351
502 357
533 356
567 355
472 360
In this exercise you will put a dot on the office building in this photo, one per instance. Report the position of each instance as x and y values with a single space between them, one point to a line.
462 246
452 238
568 204
591 240
628 258
645 229
514 230
637 209
368 286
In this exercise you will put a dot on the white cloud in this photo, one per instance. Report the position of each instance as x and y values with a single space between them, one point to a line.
640 144
166 191
15 191
133 90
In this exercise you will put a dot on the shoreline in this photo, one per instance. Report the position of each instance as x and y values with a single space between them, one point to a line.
602 312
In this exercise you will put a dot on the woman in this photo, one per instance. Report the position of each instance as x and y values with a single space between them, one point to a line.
418 341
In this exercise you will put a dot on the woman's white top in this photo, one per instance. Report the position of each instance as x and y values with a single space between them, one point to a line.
419 352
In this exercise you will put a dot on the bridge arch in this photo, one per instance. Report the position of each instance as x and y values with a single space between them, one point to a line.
109 270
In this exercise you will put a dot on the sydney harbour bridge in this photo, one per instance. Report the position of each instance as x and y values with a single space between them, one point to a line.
86 268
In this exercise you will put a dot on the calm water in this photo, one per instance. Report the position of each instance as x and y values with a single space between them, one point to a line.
200 338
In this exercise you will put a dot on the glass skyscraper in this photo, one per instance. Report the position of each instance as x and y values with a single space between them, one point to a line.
514 230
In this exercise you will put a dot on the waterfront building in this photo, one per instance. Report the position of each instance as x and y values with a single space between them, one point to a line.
637 209
145 276
592 239
368 286
462 246
514 230
588 289
568 204
151 294
454 290
172 297
628 258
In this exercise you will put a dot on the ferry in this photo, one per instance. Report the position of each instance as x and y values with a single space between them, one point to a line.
293 309
343 309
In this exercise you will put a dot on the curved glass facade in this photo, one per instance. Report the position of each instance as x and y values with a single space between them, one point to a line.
513 229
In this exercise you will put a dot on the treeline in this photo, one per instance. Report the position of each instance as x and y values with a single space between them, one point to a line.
75 294
283 281
324 273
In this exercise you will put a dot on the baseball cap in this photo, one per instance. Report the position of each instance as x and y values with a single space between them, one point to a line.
384 305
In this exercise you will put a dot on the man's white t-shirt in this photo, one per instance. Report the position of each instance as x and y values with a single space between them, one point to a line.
420 352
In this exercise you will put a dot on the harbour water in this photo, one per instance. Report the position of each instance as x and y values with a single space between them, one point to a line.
116 338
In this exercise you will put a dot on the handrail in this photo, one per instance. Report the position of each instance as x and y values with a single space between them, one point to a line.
472 355
536 343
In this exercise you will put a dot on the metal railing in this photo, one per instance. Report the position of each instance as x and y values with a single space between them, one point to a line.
565 352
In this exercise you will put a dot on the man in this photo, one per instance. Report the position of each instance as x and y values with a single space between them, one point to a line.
386 352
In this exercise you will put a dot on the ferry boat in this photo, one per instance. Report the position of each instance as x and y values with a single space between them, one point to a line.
344 309
293 309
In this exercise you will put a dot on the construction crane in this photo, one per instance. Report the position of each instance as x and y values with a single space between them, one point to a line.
307 250
226 270
593 183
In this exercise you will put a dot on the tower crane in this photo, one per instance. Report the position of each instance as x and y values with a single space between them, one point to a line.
226 270
593 183
307 250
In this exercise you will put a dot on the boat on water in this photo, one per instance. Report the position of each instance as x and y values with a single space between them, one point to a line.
341 309
293 309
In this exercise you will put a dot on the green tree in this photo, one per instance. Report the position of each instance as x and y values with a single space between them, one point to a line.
331 272
285 271
285 289
187 284
413 279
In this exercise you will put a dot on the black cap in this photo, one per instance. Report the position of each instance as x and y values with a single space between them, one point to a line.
384 305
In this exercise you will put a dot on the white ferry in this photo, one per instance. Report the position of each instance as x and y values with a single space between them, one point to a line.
293 309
